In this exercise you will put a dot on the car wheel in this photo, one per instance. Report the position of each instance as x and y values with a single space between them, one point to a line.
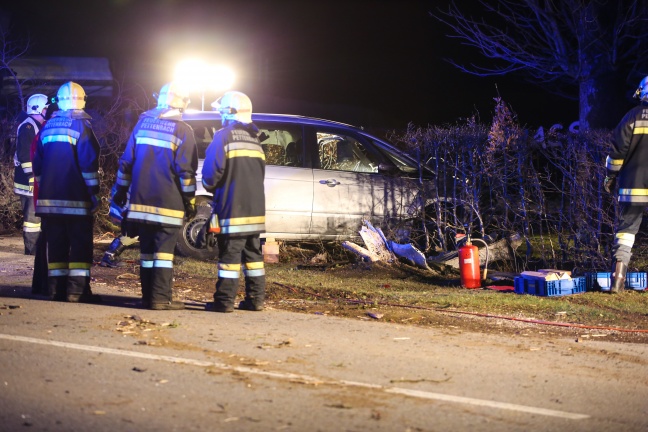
186 245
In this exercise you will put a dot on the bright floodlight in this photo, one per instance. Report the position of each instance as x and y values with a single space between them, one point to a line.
200 76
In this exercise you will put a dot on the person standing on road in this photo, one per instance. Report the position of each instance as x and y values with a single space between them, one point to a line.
159 167
39 278
66 167
627 169
234 170
23 173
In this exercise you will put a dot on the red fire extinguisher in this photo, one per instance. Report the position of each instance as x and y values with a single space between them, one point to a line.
469 265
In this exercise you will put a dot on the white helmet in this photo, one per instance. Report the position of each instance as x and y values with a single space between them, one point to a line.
642 90
235 106
71 96
173 95
36 104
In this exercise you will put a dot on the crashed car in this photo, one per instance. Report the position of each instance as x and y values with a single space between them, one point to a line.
322 179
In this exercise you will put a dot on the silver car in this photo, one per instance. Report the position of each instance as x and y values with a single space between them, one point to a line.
322 179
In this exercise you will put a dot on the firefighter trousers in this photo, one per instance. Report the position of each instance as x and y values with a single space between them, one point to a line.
31 224
234 253
630 216
69 254
157 245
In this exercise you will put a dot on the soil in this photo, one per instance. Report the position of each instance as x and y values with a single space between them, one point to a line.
124 280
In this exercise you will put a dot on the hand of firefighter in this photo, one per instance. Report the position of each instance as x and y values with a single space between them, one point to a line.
190 208
120 197
609 184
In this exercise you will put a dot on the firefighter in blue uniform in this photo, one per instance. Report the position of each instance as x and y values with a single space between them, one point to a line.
66 165
23 175
159 166
234 171
627 168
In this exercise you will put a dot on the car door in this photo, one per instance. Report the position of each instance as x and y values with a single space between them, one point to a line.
351 184
288 181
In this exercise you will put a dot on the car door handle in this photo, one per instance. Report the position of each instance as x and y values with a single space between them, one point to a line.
330 182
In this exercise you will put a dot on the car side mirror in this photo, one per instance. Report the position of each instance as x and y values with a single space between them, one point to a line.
385 168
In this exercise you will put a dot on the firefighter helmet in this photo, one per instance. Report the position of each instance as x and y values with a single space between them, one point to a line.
70 96
234 106
173 95
642 90
36 103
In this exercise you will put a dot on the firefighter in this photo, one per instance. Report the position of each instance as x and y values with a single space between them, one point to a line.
23 175
66 167
159 166
233 171
627 168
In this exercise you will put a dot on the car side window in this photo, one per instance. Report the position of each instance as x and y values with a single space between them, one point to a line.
204 131
282 144
343 152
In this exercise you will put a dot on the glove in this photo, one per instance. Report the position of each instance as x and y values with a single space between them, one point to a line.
205 239
609 184
31 185
120 197
190 208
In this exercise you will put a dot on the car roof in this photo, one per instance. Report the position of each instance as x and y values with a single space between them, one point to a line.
215 115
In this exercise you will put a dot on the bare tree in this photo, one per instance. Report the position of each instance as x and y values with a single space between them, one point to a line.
11 50
588 50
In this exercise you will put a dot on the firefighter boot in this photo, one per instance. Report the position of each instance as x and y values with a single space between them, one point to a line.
112 253
618 277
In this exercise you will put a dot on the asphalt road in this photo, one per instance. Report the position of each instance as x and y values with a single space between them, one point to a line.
114 367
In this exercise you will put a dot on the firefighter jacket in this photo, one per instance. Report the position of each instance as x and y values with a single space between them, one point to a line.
233 171
629 156
159 166
66 165
23 175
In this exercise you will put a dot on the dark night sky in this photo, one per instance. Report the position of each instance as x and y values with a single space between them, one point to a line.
384 59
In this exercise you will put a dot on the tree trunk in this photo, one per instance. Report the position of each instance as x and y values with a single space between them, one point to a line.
603 101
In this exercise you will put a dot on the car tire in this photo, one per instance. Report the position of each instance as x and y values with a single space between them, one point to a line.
186 245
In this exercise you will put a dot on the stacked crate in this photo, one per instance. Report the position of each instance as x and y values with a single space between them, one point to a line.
601 281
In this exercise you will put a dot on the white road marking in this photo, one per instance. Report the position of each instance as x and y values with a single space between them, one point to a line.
305 378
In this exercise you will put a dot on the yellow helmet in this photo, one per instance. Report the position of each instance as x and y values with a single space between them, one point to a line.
71 96
235 106
173 95
36 103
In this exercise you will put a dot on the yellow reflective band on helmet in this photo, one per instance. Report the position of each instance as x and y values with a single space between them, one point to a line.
231 267
254 265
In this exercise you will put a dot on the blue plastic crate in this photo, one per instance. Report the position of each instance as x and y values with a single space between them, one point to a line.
539 287
601 281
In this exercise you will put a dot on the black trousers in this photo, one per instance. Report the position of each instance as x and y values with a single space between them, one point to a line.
157 245
69 251
234 253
